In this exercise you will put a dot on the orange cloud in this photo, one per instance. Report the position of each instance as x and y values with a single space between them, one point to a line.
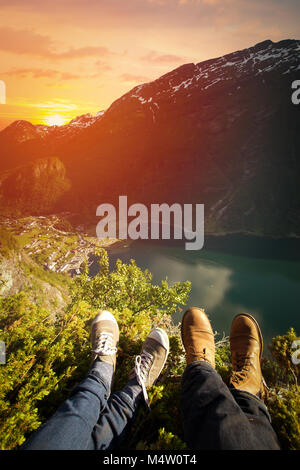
32 43
41 73
23 42
128 77
156 58
87 51
102 65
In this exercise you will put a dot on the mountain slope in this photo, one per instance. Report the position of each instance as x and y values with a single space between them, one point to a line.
33 187
223 132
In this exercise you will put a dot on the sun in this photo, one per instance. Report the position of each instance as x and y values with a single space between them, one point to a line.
55 120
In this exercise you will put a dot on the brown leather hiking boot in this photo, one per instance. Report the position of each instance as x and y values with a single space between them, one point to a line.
246 345
197 336
105 338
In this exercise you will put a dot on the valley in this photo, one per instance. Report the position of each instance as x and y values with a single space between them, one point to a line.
40 255
53 243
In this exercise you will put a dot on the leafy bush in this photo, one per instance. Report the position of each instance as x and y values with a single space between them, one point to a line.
43 359
127 286
284 408
284 396
166 441
281 350
47 357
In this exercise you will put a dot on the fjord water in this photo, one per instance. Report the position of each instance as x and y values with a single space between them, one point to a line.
230 275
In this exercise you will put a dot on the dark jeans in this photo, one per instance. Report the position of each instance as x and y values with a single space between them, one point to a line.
213 417
89 419
219 418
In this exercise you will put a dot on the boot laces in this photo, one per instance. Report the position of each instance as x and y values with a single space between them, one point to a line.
203 355
142 367
241 364
105 344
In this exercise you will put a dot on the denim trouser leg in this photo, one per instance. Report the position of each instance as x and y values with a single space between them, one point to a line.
88 419
216 418
71 427
115 421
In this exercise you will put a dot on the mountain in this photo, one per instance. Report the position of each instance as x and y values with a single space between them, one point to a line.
73 128
34 187
223 132
21 141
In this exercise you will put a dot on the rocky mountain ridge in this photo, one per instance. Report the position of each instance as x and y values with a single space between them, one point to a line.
222 132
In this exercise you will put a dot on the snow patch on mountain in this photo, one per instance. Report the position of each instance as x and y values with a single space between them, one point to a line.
263 58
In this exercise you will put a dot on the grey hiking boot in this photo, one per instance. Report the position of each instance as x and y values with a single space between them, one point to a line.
151 361
105 338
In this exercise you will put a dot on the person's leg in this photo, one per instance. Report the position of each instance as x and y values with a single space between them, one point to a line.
247 384
213 417
72 425
87 420
204 397
115 421
259 419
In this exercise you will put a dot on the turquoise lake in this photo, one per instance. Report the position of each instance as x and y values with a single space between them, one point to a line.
230 275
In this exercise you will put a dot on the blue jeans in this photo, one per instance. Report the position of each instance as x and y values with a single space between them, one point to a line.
213 417
90 418
219 418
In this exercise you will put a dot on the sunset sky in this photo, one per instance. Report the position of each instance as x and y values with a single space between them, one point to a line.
63 58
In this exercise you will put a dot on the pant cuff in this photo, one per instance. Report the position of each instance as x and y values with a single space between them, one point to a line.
203 364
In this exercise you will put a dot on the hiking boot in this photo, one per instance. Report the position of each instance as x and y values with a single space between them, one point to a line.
246 345
197 336
151 361
105 338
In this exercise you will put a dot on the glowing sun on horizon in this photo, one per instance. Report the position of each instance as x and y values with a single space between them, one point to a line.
55 120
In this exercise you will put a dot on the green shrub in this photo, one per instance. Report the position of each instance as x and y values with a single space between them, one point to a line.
284 408
42 358
281 350
284 397
166 441
46 357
